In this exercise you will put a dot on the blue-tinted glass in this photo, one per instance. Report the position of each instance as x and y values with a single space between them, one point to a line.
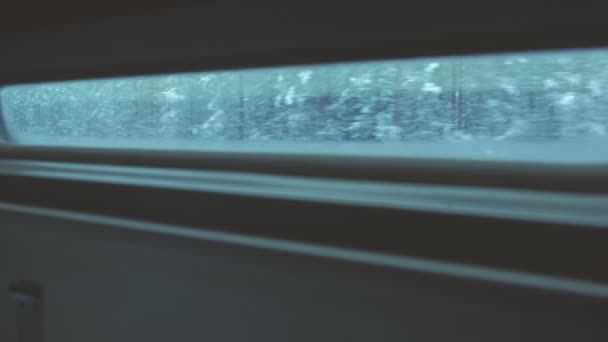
531 106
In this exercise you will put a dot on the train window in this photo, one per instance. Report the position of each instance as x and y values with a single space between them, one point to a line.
541 106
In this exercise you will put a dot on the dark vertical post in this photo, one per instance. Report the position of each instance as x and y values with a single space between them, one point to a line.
29 299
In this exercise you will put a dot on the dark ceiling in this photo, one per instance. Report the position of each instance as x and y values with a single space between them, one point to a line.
66 39
27 16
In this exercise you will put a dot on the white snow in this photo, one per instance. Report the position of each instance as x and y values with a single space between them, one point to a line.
387 132
431 67
566 99
514 130
509 87
460 136
277 101
291 93
172 96
305 76
363 80
431 88
206 79
211 105
550 83
367 109
409 79
214 122
355 125
169 117
194 130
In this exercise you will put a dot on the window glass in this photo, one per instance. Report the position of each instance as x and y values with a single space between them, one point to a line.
549 106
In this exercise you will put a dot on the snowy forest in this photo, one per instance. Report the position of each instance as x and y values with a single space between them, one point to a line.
540 96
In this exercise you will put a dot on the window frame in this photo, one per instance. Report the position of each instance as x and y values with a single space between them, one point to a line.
469 244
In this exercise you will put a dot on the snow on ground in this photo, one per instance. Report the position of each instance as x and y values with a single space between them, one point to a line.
550 83
431 67
305 76
291 93
172 96
431 88
566 99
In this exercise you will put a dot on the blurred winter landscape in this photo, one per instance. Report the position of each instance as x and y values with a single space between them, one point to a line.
531 106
